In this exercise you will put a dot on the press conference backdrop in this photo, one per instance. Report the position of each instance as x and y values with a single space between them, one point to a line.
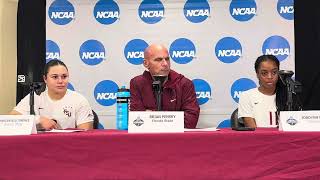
213 43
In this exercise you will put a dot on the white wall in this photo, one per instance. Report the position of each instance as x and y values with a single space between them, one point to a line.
8 54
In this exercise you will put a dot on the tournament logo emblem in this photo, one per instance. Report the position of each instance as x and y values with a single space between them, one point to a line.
292 121
138 121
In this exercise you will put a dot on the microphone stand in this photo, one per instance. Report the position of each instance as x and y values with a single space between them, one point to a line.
158 91
34 87
289 94
285 77
157 88
31 101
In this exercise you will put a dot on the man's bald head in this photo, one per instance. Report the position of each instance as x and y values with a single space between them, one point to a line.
153 48
157 60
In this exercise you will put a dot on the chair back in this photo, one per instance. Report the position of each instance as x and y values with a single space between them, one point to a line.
95 120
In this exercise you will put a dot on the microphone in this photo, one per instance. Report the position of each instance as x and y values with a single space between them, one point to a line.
34 87
160 78
38 87
292 87
157 88
284 75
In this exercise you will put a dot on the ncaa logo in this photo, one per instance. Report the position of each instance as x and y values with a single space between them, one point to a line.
151 11
70 87
277 46
228 50
203 91
196 11
134 51
105 92
106 12
182 51
92 52
285 9
224 124
242 10
52 51
61 12
239 86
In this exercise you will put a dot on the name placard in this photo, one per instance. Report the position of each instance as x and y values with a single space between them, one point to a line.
17 125
299 121
155 121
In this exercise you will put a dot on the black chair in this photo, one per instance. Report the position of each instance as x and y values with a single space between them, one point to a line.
235 121
95 120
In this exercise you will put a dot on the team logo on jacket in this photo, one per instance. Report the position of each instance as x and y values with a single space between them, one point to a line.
67 110
134 51
182 51
240 86
277 46
196 11
203 91
61 12
92 52
285 9
105 92
151 11
228 50
52 51
106 12
242 10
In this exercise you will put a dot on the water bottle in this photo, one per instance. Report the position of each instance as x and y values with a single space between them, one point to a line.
123 97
